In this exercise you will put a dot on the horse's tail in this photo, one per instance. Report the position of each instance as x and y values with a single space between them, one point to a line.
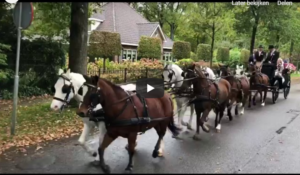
172 127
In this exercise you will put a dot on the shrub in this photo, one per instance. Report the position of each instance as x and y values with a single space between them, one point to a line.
203 52
149 47
183 62
223 54
194 56
181 50
104 44
245 54
44 57
3 59
235 55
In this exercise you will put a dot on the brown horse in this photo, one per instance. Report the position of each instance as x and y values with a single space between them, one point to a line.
126 114
207 95
240 90
259 82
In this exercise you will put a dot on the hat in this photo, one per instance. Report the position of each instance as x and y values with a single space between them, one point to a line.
271 47
260 46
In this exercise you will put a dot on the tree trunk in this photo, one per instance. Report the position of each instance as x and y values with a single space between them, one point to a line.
212 44
78 37
254 29
172 27
291 48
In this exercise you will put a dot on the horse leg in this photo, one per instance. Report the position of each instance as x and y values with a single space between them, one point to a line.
243 104
131 149
159 147
229 106
197 134
202 120
254 100
265 96
180 113
220 118
189 126
87 127
216 119
106 142
249 100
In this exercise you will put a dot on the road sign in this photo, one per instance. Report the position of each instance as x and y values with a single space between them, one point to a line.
23 16
25 10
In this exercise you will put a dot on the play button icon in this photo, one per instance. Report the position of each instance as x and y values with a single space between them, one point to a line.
150 87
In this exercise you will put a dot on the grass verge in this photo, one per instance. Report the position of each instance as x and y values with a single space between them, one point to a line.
36 124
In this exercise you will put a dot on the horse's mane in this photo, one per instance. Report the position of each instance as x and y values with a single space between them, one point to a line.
112 84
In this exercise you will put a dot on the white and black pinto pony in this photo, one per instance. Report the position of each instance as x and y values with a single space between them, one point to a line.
74 85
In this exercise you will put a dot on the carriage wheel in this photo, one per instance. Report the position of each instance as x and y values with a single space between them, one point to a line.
286 90
275 92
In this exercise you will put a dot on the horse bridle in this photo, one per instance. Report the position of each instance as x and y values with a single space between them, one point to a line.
65 89
170 76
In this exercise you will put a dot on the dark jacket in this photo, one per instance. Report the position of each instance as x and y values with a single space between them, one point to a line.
273 58
252 59
261 56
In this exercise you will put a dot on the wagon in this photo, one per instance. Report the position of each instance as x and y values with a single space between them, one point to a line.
276 86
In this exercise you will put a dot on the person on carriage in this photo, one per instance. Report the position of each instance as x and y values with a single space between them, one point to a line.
279 70
252 59
259 56
272 56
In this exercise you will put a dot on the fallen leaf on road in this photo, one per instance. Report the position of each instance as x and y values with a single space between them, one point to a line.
38 148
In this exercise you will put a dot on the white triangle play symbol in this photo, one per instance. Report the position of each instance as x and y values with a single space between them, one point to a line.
149 88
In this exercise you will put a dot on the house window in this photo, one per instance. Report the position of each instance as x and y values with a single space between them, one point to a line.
129 54
167 56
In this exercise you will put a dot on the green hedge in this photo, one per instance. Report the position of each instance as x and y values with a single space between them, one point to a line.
149 47
104 44
245 54
181 50
223 54
40 59
203 52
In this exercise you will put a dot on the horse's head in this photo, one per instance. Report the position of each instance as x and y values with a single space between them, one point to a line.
253 68
89 100
224 70
191 72
172 75
204 71
63 90
239 70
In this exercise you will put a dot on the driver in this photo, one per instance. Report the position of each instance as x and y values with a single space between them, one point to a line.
273 56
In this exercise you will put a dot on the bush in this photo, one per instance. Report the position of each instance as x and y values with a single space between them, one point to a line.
203 52
181 50
149 47
3 59
194 56
245 54
235 55
223 54
43 57
104 44
183 62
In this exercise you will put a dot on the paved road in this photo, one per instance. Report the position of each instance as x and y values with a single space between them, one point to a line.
264 140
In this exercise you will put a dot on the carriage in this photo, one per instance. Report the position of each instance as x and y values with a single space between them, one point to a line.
276 81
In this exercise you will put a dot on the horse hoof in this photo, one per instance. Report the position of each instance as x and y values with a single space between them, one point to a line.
196 137
105 168
205 128
189 127
184 123
155 154
160 154
95 154
128 170
218 130
263 104
126 147
95 163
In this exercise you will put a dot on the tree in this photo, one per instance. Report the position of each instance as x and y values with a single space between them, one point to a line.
104 44
78 37
181 50
149 47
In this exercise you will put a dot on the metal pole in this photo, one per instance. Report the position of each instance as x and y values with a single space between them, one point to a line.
16 83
